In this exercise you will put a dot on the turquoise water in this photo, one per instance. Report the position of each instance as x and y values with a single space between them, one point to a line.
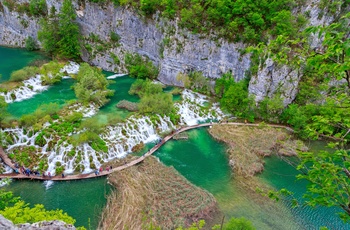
282 175
83 200
201 159
13 59
59 93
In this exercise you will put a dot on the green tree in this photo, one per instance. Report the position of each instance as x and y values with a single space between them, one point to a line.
38 7
92 86
140 67
7 199
3 113
69 44
161 103
31 44
48 34
329 177
59 34
145 87
332 59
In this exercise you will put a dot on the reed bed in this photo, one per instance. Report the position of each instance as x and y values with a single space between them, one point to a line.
151 193
249 145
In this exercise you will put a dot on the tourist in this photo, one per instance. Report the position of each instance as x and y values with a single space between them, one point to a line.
49 174
110 167
101 169
62 175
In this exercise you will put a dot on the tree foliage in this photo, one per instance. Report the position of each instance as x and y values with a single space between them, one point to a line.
92 86
16 210
329 177
140 67
236 20
59 34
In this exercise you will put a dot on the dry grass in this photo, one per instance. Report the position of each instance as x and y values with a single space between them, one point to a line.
153 193
249 145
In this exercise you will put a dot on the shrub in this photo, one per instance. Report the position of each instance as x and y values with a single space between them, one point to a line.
145 87
38 7
31 44
23 74
140 67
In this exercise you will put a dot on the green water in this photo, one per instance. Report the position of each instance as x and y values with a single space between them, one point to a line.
203 161
200 159
83 200
13 59
59 93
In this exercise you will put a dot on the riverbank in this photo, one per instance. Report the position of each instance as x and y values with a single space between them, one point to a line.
152 193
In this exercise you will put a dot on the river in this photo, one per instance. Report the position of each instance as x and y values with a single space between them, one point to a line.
201 159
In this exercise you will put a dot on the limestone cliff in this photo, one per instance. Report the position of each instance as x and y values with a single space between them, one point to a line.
172 48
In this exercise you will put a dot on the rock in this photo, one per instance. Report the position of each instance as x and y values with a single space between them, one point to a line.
6 224
173 49
43 225
47 225
272 79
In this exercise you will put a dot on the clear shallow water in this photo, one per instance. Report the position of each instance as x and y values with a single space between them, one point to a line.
13 59
83 200
203 161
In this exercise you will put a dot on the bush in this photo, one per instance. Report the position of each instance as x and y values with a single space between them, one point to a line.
145 87
140 67
31 44
23 74
161 103
38 7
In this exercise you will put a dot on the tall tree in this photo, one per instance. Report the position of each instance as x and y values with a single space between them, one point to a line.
59 34
48 34
69 45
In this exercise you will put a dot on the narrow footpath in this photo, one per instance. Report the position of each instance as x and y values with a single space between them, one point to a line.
9 162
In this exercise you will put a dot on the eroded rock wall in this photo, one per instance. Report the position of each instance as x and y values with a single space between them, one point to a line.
171 48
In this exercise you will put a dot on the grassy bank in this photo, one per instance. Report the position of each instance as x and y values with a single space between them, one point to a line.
151 193
249 145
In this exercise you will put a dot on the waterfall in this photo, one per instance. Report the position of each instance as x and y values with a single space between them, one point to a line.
119 138
192 109
33 85
29 88
70 68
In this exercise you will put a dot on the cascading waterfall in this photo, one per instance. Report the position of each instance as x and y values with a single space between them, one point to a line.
33 85
192 109
29 88
120 138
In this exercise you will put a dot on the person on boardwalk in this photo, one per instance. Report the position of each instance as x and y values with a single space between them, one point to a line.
49 174
62 175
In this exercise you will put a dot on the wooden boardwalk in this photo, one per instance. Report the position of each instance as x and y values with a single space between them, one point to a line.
8 161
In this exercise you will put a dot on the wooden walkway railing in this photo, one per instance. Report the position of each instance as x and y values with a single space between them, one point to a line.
8 161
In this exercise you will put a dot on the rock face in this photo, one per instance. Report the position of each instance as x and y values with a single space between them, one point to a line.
43 225
173 49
